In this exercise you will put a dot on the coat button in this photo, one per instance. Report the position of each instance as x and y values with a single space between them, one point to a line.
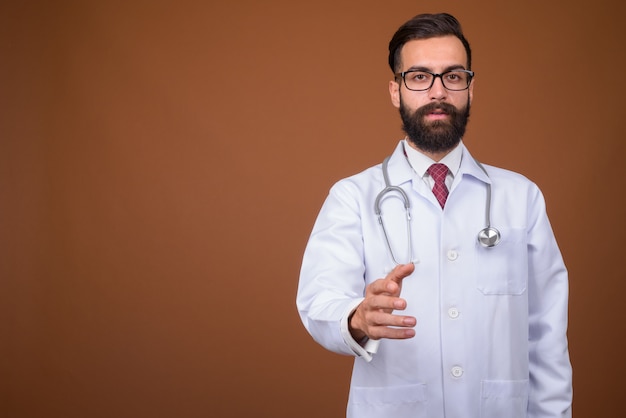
457 371
452 255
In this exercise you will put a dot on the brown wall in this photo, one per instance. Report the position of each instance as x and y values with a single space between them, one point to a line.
162 163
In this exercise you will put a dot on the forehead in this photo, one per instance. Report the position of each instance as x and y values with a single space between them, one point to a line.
433 53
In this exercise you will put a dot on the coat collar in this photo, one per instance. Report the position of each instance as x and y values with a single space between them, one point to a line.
400 171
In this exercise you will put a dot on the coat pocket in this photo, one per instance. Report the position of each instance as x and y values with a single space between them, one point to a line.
504 398
503 269
384 402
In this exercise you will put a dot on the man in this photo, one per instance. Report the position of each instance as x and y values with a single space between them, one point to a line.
442 323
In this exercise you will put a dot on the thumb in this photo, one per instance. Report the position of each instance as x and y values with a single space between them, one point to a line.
400 272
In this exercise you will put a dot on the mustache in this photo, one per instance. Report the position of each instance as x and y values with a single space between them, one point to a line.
442 107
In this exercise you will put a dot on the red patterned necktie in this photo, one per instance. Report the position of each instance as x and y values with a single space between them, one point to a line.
439 172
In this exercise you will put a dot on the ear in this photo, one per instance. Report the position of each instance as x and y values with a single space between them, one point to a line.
394 93
471 90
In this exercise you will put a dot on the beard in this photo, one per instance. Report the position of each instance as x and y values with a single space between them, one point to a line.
435 136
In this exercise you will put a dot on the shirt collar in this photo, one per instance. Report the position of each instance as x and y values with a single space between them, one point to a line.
421 162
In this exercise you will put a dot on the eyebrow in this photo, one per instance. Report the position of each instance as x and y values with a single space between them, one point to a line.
449 68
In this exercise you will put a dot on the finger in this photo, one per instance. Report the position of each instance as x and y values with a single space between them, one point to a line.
393 327
380 319
385 302
380 287
397 333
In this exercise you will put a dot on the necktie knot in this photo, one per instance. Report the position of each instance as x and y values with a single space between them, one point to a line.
439 172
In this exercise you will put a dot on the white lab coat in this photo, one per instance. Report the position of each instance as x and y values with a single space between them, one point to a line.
491 322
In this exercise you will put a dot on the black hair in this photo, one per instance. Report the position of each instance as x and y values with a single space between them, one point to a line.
426 26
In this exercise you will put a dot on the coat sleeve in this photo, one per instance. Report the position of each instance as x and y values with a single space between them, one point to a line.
332 274
550 371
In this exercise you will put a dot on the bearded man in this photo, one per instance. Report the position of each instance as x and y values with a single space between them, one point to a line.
440 275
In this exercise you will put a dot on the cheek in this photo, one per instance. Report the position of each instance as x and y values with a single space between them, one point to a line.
412 101
462 102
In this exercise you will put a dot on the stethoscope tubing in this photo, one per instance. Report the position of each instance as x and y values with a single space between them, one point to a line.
487 237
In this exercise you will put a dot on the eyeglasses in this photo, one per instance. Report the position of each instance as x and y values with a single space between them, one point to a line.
420 80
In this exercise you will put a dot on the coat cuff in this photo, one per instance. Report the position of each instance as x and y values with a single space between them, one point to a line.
363 348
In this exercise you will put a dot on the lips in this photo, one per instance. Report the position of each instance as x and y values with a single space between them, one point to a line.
438 108
438 111
437 114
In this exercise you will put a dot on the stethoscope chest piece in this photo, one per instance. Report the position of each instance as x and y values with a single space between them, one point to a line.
489 237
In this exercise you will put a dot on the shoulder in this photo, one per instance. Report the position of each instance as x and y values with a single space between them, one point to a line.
502 175
514 187
372 177
360 183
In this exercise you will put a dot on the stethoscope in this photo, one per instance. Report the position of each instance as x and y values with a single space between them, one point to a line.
487 237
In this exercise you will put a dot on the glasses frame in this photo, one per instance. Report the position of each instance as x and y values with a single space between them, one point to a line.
435 76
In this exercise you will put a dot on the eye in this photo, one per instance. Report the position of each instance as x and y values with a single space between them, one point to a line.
455 77
419 76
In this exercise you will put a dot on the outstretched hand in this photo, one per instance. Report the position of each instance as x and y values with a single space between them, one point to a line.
374 318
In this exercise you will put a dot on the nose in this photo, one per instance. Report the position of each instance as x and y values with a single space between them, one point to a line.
437 90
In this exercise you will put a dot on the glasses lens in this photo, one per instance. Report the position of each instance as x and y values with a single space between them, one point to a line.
421 80
455 80
418 80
